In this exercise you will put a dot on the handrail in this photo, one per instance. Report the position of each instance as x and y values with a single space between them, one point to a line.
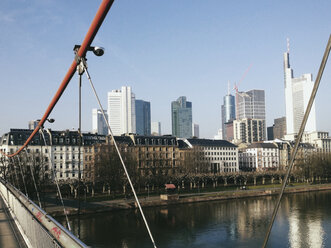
55 229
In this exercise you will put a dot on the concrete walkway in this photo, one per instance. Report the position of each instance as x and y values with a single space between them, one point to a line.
9 234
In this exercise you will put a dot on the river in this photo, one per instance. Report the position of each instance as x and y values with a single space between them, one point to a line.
303 220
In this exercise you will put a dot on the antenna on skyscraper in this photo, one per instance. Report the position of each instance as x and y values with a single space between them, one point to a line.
288 45
228 87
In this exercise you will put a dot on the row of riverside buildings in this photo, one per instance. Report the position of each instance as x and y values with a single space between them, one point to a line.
165 154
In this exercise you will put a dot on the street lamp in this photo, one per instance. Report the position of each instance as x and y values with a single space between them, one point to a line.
98 51
42 137
51 120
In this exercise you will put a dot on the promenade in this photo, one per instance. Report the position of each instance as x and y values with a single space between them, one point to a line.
54 209
9 234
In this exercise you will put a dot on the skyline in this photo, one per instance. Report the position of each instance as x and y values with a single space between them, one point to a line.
178 48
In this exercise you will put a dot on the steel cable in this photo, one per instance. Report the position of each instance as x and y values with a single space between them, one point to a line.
119 154
23 178
56 181
33 179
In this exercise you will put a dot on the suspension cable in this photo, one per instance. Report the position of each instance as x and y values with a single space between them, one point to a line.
56 179
20 165
118 152
14 167
297 142
33 179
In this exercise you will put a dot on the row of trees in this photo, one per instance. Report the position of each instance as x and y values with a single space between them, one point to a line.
27 173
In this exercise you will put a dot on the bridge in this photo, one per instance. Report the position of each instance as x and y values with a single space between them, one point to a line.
24 223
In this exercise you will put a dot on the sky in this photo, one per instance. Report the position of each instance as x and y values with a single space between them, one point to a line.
163 50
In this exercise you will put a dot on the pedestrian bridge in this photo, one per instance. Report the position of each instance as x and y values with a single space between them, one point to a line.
24 224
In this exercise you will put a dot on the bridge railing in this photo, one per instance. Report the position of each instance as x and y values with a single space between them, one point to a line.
37 228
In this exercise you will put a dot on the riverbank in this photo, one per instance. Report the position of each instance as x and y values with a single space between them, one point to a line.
121 204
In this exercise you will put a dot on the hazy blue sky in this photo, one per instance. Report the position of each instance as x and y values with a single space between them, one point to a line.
163 49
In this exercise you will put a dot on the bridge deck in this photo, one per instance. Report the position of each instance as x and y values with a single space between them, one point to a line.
9 234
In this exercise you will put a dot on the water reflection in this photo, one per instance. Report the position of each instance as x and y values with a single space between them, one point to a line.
303 221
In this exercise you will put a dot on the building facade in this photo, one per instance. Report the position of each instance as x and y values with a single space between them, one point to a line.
320 140
99 125
259 157
156 154
213 156
60 152
143 117
122 111
181 116
249 130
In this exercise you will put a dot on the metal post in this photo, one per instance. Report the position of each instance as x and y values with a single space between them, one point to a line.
80 138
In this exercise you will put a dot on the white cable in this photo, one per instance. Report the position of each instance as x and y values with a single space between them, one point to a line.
34 180
55 178
14 167
20 165
120 156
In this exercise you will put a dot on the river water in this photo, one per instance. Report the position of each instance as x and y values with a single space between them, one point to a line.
303 220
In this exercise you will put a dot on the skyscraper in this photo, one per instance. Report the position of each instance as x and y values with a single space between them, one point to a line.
33 124
228 110
251 104
249 130
250 124
195 130
122 111
99 125
181 116
297 94
143 117
156 128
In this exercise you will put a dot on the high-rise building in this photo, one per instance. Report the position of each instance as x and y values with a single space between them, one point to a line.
270 132
251 104
279 128
122 111
250 123
181 115
143 117
99 125
195 130
228 113
249 130
297 94
33 124
156 128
